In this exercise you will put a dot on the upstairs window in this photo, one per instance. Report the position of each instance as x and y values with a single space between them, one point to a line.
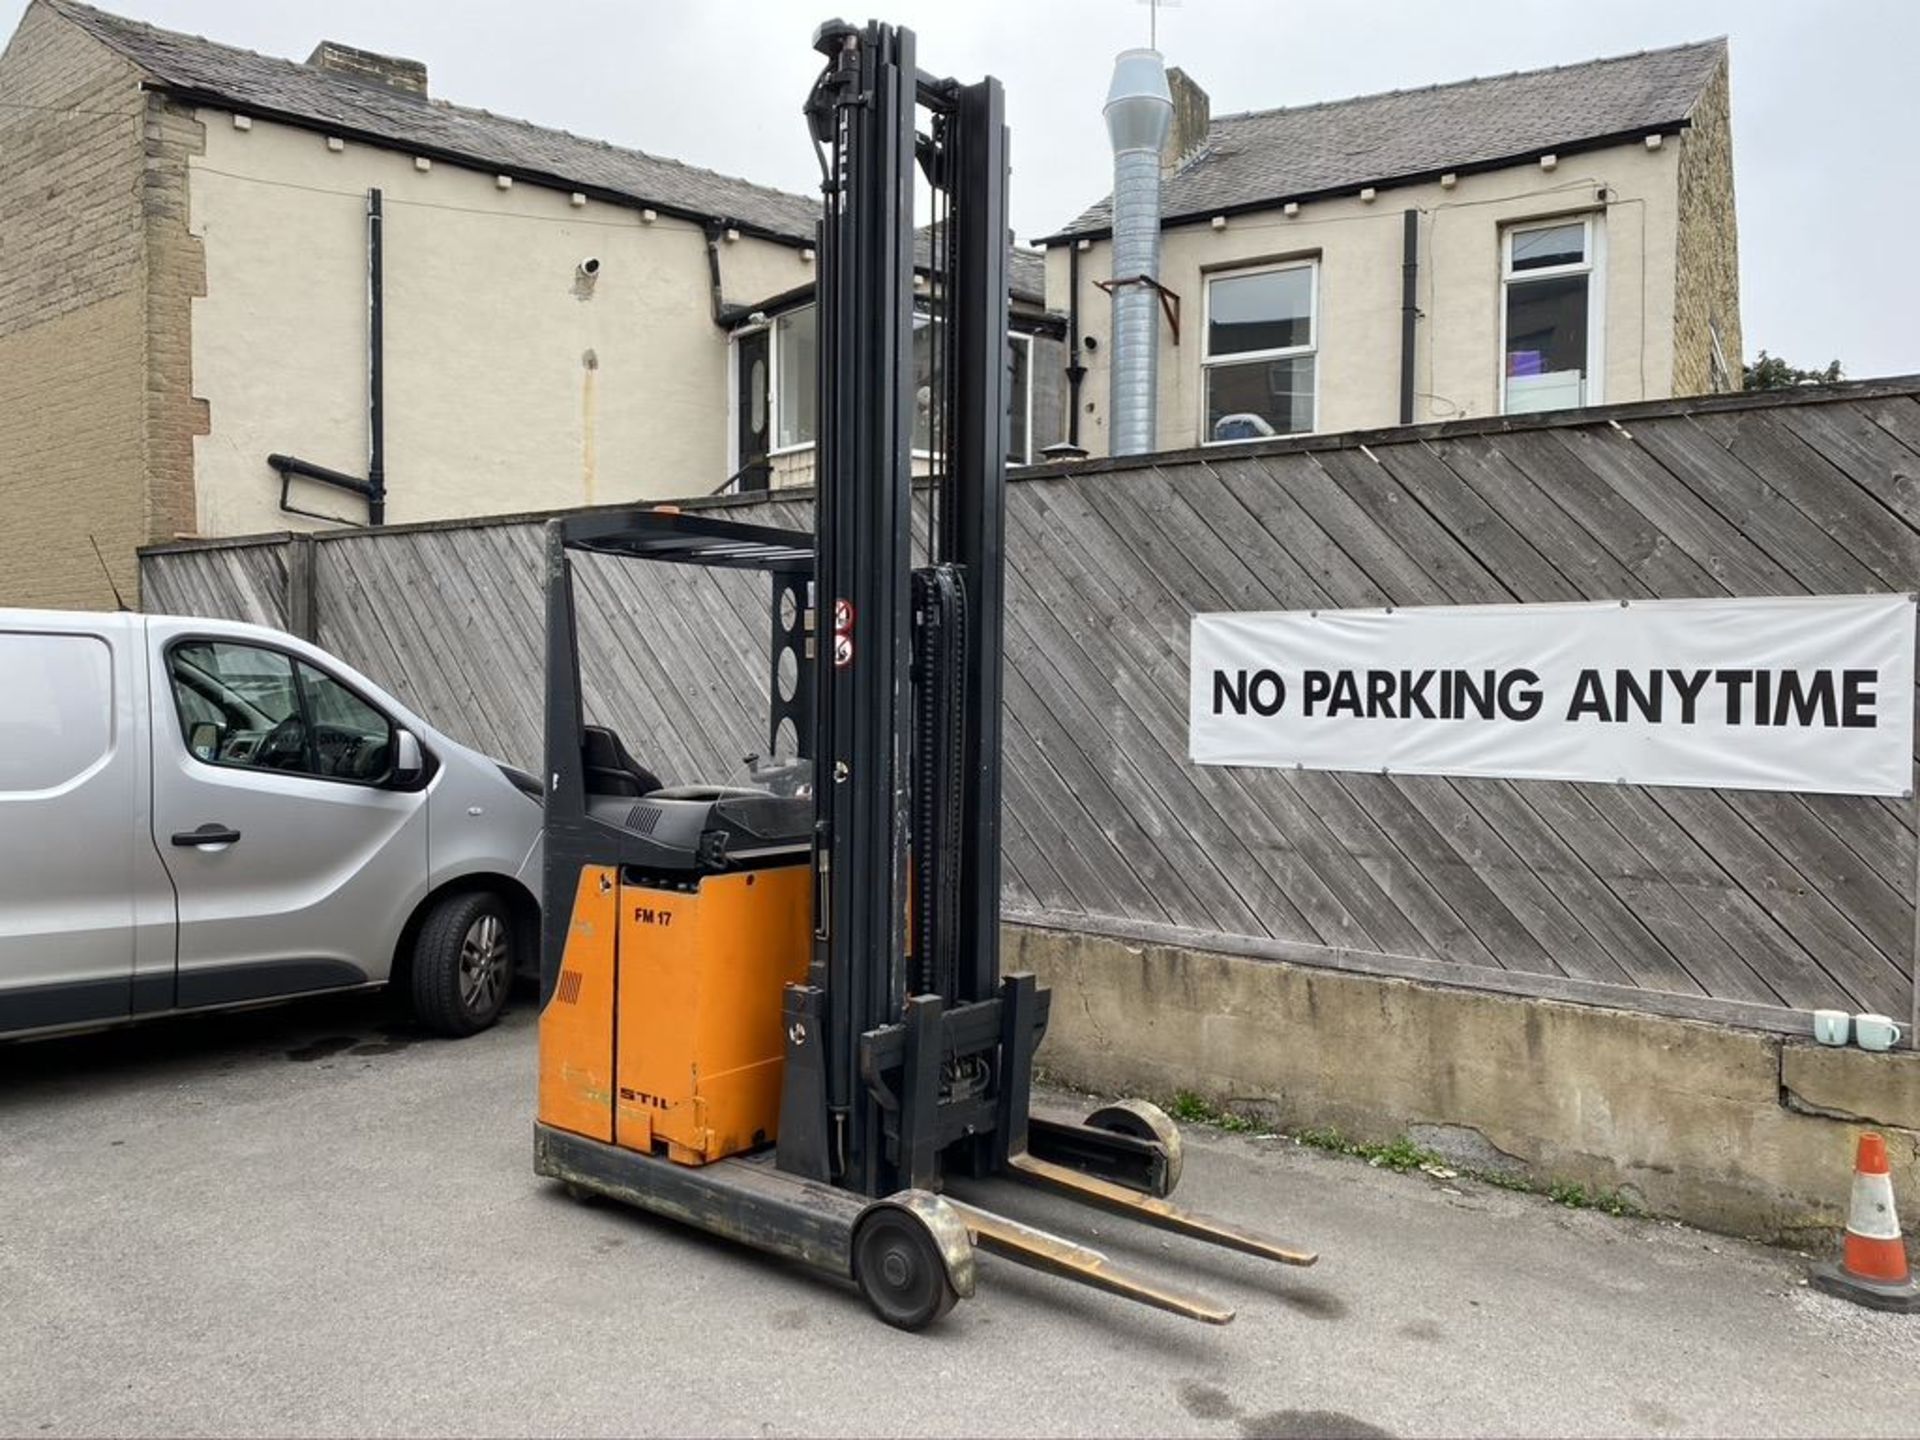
1258 363
1550 350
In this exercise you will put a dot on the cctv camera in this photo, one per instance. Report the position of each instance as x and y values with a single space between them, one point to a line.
590 267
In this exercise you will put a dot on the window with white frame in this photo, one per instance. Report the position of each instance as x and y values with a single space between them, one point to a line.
793 385
1550 316
1020 400
1259 360
796 382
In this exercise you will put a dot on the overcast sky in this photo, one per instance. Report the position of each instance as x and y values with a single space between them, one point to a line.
1826 99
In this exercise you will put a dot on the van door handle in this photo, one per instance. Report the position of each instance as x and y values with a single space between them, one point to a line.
212 833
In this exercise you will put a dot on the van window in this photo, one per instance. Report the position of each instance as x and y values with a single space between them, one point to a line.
56 709
351 739
238 706
258 709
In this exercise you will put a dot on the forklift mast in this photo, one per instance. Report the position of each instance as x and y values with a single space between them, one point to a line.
906 844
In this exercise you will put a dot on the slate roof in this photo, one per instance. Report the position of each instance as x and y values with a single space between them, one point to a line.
1026 269
1266 157
267 86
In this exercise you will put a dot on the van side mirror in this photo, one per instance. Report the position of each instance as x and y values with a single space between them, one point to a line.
409 762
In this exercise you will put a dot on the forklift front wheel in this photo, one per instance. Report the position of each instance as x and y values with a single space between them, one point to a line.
901 1265
1143 1120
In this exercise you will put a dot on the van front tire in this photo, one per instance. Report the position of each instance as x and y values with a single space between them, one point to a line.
463 963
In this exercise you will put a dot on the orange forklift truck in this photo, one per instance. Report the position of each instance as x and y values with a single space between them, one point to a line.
775 1010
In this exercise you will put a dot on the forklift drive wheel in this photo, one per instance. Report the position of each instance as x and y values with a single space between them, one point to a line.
900 1268
1143 1120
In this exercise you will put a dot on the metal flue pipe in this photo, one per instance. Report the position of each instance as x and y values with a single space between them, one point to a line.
1139 113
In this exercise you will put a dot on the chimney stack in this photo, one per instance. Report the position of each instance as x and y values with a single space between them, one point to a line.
1139 114
1192 114
407 76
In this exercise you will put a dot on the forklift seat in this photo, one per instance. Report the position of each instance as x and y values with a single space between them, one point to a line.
610 770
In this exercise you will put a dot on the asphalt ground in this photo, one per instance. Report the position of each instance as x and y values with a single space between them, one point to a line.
311 1220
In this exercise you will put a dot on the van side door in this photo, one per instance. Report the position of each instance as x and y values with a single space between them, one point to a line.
295 862
72 883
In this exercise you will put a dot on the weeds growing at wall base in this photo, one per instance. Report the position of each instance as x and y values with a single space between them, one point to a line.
1401 1155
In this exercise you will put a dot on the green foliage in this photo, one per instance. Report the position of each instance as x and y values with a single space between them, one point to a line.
1191 1108
1609 1202
1505 1180
1198 1110
1770 372
1398 1155
1401 1155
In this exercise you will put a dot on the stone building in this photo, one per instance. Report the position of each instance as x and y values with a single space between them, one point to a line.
238 290
1541 240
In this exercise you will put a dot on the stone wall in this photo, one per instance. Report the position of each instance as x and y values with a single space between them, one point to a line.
1707 265
1735 1130
176 273
72 324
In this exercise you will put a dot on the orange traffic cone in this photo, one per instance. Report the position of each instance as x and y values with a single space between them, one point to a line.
1873 1264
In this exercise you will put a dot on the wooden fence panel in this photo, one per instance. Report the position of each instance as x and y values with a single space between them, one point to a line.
1729 905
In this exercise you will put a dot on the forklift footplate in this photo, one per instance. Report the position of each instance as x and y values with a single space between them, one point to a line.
1150 1210
1039 1250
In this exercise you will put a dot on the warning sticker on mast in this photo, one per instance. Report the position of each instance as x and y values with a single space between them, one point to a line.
1800 693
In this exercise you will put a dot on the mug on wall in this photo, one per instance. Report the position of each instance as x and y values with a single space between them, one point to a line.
1830 1027
1875 1032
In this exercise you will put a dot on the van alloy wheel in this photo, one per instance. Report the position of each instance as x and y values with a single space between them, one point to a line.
484 960
463 962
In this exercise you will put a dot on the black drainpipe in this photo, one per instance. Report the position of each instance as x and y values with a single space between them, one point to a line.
1076 372
373 489
376 368
1409 285
724 315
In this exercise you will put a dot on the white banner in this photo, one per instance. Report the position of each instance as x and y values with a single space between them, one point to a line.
1792 693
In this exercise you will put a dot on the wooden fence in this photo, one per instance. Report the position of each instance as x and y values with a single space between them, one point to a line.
1738 906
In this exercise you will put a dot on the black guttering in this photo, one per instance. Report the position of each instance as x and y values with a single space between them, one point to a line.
214 100
1349 189
376 362
1409 308
373 489
1076 371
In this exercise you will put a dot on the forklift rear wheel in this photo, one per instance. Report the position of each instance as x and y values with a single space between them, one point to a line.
1143 1120
463 963
900 1270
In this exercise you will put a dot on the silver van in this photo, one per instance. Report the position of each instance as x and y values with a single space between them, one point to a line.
197 814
